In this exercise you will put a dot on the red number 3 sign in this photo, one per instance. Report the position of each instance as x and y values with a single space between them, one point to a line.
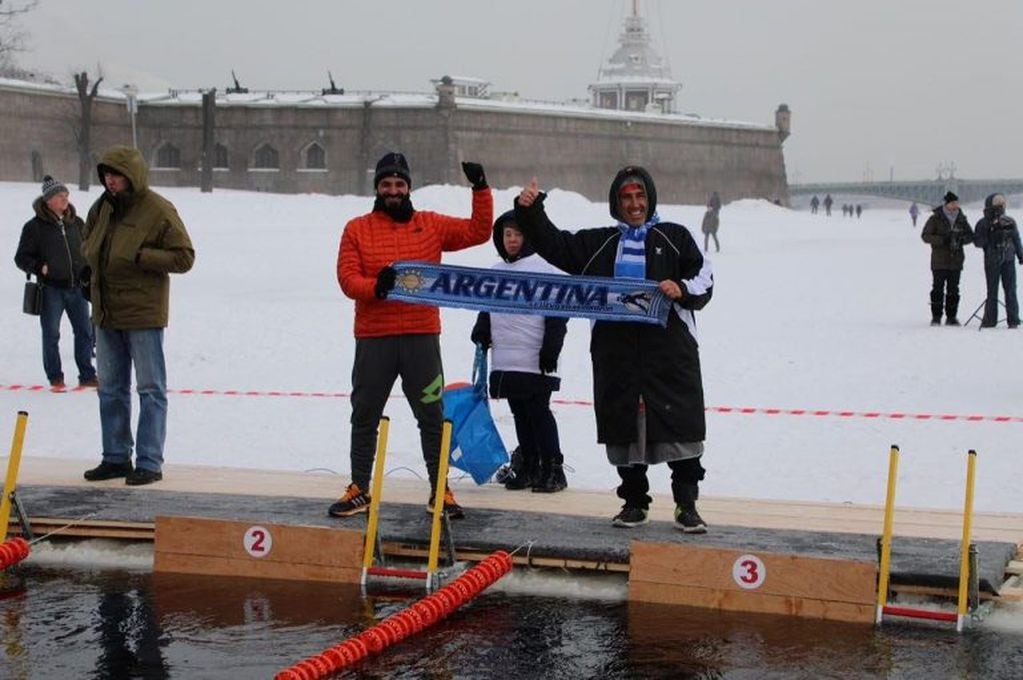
749 572
258 541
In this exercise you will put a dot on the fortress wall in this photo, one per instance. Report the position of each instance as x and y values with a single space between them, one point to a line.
44 122
576 152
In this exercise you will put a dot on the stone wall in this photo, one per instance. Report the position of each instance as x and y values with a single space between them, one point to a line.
572 151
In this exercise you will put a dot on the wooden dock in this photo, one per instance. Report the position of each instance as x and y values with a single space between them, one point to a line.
821 557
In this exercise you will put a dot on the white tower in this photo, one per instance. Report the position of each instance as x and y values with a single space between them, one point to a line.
635 77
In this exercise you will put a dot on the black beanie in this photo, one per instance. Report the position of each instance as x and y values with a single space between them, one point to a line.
52 187
949 197
393 164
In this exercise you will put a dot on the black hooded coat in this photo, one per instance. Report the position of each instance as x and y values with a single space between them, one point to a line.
637 360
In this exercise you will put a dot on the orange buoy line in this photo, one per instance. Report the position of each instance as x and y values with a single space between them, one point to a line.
403 624
13 551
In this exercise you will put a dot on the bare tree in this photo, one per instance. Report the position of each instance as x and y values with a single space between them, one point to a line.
83 131
12 38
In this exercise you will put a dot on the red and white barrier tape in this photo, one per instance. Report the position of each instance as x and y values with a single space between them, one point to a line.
740 410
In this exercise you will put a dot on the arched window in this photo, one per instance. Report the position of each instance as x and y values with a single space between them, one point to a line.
315 157
168 156
266 158
220 157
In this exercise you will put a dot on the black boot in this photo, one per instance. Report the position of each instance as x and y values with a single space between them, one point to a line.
951 310
687 519
525 475
551 480
935 308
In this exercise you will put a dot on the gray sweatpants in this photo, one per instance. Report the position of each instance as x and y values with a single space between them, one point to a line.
378 363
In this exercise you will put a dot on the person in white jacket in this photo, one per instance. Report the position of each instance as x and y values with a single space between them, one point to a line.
524 363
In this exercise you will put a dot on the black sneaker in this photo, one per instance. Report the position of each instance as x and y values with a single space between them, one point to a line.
352 502
935 322
108 471
139 477
688 520
451 506
952 322
630 517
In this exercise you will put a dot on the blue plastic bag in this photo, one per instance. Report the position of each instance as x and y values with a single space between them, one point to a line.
476 445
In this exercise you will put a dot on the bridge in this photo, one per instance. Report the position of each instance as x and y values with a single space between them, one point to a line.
928 192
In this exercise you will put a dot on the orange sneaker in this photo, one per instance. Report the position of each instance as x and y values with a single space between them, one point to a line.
352 502
451 506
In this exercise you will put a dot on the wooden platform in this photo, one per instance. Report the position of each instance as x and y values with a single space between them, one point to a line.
565 530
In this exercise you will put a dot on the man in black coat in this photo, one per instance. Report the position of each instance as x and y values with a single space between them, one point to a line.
947 231
998 235
51 248
648 390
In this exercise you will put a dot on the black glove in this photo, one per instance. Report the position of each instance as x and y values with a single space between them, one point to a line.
548 361
474 173
481 337
385 282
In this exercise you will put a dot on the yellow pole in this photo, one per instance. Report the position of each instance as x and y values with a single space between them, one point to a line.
438 503
374 498
12 472
964 557
886 534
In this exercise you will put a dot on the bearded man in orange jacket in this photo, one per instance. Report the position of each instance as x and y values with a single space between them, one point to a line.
393 338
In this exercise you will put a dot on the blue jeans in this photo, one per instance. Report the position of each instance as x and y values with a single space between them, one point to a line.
56 301
116 351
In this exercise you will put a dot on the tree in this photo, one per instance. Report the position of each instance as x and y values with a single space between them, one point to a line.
12 38
83 131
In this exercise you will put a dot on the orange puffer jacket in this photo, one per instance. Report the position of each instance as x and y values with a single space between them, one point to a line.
371 242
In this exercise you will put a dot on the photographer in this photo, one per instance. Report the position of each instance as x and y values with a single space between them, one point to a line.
947 231
999 237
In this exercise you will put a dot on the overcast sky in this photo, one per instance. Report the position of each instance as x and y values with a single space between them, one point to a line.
876 87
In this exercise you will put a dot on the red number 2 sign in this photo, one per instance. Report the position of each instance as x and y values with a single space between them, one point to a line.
258 541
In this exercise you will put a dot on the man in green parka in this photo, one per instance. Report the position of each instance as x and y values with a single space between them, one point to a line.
134 240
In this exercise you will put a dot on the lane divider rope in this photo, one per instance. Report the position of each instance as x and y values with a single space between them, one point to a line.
728 410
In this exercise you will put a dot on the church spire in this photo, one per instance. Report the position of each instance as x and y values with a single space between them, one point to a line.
635 77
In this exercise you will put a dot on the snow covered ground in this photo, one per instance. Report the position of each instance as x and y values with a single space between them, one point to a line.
808 313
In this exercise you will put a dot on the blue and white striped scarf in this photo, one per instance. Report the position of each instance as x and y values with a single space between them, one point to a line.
631 260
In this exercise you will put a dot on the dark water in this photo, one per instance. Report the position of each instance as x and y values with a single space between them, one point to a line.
62 623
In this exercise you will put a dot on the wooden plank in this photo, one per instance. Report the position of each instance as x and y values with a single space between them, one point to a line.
231 548
785 575
741 602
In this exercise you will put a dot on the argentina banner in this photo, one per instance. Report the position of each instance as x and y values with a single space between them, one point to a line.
502 291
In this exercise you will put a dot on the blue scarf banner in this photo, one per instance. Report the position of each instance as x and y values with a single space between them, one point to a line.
509 292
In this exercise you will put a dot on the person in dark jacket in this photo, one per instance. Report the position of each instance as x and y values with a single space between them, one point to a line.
134 240
524 364
947 231
51 248
647 386
710 225
998 235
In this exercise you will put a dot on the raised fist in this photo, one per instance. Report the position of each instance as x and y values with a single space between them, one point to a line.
474 173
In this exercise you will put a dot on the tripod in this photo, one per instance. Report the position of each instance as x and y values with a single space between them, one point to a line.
977 315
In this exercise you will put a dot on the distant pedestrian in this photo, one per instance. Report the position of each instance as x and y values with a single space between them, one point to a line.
814 204
714 202
859 210
51 248
947 231
998 235
827 205
711 221
914 212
